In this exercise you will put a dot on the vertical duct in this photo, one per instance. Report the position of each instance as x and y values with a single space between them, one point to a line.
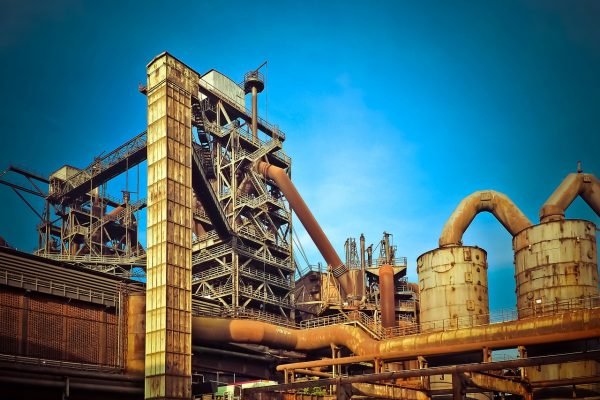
386 288
254 83
168 361
363 266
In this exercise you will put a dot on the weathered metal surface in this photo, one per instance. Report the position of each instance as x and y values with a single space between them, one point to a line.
578 324
509 215
498 384
36 326
585 185
246 331
386 287
555 262
136 333
169 230
392 375
225 86
453 284
381 391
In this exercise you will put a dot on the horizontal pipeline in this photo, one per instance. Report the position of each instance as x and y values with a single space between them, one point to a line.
413 373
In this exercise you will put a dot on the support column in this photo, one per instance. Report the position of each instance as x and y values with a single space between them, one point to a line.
169 235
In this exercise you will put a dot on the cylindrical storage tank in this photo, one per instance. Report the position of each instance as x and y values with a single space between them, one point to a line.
453 293
453 288
136 333
556 267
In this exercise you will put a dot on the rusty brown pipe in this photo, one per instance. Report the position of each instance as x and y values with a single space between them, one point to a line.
509 215
386 290
254 113
220 330
572 325
577 184
363 269
280 177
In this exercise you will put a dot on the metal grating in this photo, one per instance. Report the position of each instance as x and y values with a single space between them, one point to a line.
44 327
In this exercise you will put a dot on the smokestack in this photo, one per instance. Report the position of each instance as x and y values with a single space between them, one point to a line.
254 83
363 267
386 290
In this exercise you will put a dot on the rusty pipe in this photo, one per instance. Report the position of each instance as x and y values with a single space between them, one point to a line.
509 215
386 290
430 371
363 268
573 325
577 184
218 330
280 177
254 113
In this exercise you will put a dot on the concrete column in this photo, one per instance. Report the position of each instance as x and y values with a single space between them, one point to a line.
169 232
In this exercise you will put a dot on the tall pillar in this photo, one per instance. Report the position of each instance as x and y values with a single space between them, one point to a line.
169 235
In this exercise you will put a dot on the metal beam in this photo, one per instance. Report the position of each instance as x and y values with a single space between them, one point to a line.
21 188
28 174
208 198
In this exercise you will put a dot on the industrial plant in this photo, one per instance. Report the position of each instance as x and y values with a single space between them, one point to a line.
205 298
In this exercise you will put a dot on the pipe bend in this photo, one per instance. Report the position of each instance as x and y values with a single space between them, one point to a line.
505 211
576 184
205 329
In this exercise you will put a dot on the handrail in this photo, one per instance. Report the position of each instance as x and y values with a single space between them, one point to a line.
396 262
48 363
211 273
88 258
55 288
246 112
132 146
410 328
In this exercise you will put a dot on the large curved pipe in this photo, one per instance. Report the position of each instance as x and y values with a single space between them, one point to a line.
575 325
577 184
494 202
205 329
280 177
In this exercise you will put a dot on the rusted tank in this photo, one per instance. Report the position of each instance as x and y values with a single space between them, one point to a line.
453 294
453 288
556 268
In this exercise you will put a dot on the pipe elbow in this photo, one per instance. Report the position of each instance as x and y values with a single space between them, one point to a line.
587 186
505 211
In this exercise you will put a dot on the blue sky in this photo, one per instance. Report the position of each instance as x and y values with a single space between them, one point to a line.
394 111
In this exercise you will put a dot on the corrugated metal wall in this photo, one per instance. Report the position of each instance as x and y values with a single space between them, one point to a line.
48 327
